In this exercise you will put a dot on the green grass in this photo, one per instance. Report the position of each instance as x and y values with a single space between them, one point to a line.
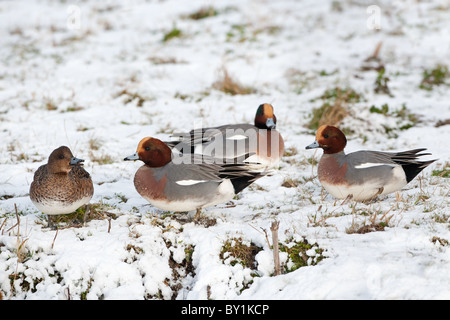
237 252
444 172
384 109
203 13
405 118
381 83
334 108
434 77
298 254
173 33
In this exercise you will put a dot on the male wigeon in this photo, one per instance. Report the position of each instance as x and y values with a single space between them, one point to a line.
186 186
62 185
363 175
231 141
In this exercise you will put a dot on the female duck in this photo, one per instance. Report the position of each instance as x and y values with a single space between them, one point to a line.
62 185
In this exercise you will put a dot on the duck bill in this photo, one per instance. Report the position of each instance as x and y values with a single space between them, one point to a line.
270 123
132 157
313 145
75 161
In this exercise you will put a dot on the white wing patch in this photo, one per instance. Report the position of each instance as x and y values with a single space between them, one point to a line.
189 182
237 137
372 164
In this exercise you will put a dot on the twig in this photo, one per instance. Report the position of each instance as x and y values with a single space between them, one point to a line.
377 50
68 291
18 228
109 224
3 224
18 220
53 243
276 253
267 237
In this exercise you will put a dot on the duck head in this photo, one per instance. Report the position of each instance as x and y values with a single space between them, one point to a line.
265 118
330 139
153 152
61 160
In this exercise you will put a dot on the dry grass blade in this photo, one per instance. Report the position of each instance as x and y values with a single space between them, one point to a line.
228 85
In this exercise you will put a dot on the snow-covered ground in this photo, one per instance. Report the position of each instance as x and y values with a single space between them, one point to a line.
98 76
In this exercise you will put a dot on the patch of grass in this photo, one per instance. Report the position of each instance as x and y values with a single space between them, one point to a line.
440 241
101 158
434 77
299 79
291 151
94 144
248 32
384 109
165 60
375 223
206 221
203 13
327 114
404 114
301 254
290 183
381 83
441 123
335 107
50 104
405 118
228 85
238 32
173 33
347 95
441 218
235 251
444 172
73 109
325 73
97 211
132 97
180 269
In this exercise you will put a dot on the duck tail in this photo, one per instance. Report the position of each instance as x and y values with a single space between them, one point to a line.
410 164
240 183
413 169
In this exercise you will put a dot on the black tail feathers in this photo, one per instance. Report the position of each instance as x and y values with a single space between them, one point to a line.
410 164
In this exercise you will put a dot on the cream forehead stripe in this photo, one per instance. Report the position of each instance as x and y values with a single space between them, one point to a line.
268 110
319 132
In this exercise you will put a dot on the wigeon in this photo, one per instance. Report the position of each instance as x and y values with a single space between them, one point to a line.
62 185
186 186
231 141
363 175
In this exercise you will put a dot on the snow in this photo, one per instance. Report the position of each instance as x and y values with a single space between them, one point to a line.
101 85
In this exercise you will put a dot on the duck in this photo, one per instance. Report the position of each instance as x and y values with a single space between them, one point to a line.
182 187
62 185
363 175
231 141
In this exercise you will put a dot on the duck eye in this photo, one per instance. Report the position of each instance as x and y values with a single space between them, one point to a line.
325 136
147 148
61 156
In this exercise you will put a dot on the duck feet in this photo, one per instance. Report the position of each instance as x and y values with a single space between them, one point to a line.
197 215
347 199
86 213
202 220
374 197
51 223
